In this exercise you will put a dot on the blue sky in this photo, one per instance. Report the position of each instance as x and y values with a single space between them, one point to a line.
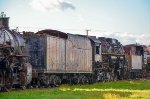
126 20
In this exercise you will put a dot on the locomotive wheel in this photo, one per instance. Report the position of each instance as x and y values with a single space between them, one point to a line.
83 80
55 80
23 87
101 78
8 87
44 80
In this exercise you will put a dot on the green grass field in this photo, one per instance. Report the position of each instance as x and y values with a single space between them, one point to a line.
109 90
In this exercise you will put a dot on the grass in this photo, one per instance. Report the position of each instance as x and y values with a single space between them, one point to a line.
108 90
133 85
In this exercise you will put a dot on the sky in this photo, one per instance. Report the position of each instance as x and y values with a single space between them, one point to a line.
126 20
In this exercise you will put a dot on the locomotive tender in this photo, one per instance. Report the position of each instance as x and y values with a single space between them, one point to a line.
57 56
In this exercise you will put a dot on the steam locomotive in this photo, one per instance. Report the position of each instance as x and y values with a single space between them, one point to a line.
51 57
14 67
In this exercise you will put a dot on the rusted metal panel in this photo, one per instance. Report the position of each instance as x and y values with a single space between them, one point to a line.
136 62
78 54
47 53
36 49
55 54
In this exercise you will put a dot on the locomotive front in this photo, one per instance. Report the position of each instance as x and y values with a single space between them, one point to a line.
14 68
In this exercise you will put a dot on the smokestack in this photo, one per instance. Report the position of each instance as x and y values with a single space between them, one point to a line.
4 21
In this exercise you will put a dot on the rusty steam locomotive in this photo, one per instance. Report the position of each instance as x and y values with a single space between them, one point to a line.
14 68
51 57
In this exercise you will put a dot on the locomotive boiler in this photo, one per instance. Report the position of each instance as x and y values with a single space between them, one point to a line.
14 67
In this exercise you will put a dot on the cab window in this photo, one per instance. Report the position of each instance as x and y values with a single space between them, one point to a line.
97 49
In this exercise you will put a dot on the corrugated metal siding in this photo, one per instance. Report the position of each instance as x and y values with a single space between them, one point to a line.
55 54
78 54
136 62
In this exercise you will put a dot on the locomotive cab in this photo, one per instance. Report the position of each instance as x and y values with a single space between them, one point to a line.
96 58
96 47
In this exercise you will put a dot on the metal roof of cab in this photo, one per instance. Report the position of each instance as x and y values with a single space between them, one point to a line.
94 39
